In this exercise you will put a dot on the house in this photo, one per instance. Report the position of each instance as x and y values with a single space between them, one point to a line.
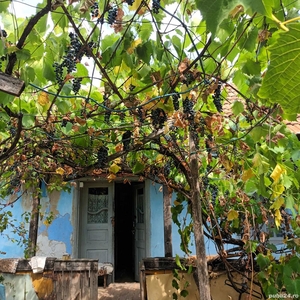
119 222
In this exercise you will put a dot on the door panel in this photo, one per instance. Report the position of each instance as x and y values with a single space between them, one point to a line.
95 222
140 228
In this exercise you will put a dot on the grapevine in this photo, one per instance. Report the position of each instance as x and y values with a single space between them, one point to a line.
126 140
58 70
175 98
158 117
167 169
129 2
76 85
188 109
112 14
155 6
102 156
107 115
217 98
140 113
95 10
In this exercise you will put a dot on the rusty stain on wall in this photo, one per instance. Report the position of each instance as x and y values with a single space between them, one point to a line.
42 284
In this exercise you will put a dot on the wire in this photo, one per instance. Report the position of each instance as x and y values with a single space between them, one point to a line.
124 109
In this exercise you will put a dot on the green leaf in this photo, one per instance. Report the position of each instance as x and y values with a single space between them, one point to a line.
184 293
4 6
5 98
28 121
175 284
138 167
263 261
215 11
145 30
237 108
144 52
23 54
258 132
282 80
82 71
178 262
48 71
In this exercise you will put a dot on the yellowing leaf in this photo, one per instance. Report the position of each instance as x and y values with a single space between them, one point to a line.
43 98
277 172
114 168
232 214
60 171
277 203
247 174
136 4
278 189
176 203
159 158
278 218
111 177
134 44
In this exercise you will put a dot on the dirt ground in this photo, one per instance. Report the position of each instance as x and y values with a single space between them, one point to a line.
120 291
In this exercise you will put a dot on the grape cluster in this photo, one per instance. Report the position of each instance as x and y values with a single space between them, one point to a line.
107 115
217 98
214 192
155 6
3 33
12 131
126 140
158 117
175 97
95 10
69 59
58 70
188 109
167 169
64 123
189 78
141 116
73 53
129 2
76 85
102 156
112 14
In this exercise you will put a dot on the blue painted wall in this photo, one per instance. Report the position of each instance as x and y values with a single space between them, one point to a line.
11 246
157 231
54 239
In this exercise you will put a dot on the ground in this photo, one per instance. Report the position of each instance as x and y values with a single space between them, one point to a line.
120 291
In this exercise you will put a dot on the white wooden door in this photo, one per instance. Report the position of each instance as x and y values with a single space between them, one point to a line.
96 240
140 228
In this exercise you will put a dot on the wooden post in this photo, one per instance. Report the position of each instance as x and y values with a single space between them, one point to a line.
167 195
33 225
11 85
202 270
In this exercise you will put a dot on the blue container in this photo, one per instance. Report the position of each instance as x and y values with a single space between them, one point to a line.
2 292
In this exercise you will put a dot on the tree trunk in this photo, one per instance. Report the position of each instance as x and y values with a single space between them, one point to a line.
167 195
33 225
203 279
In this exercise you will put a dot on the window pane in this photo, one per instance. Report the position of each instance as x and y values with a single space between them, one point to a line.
97 205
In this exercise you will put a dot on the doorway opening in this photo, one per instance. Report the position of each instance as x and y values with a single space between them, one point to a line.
124 223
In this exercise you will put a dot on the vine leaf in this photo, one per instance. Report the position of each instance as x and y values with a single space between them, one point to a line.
215 11
282 80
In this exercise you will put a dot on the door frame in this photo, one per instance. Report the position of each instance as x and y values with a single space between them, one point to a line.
104 182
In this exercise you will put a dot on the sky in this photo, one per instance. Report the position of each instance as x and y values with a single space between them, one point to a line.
24 8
